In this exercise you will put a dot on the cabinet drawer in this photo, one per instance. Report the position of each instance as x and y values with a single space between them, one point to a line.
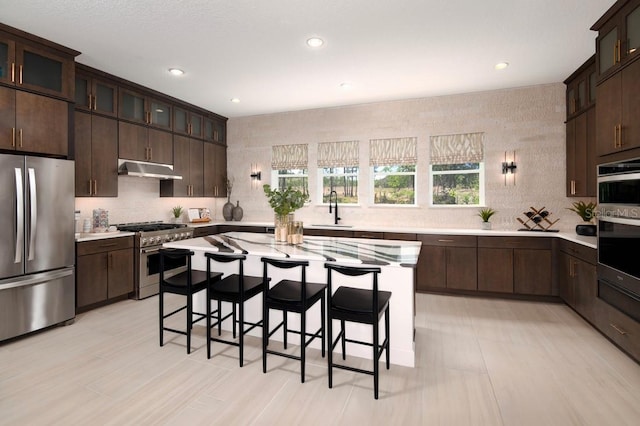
399 236
107 244
541 243
618 327
585 253
448 240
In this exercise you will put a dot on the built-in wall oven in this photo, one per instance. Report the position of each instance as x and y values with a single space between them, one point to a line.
619 236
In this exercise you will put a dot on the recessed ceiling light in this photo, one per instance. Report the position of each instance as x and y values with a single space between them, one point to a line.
501 65
315 42
176 71
345 86
235 100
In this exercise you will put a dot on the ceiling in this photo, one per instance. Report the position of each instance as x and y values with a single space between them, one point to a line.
256 50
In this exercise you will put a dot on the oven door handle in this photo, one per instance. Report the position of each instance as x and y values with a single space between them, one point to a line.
147 251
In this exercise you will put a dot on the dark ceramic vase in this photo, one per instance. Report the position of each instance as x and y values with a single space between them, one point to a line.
587 230
237 212
227 211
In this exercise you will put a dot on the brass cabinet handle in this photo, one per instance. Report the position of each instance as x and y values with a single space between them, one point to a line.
618 329
20 138
573 187
13 72
90 187
89 96
95 187
95 103
616 52
150 153
20 75
445 241
13 137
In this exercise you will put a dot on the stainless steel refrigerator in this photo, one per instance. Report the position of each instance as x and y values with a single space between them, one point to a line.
37 248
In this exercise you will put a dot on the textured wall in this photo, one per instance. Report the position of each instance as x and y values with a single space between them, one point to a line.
528 120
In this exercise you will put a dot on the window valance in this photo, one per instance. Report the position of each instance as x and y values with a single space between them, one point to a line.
285 157
393 152
338 154
459 148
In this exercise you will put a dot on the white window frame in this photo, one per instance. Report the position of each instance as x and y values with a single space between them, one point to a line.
372 188
276 175
480 171
320 186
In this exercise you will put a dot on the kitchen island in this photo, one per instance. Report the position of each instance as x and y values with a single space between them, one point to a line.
397 260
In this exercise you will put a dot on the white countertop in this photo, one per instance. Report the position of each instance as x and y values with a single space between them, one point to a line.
569 236
91 236
344 250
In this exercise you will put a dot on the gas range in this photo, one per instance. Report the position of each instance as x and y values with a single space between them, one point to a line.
148 241
149 234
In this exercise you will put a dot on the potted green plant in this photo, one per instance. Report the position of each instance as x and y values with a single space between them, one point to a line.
587 212
177 212
284 203
485 214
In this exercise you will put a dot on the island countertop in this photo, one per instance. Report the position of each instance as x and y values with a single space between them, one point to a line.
344 250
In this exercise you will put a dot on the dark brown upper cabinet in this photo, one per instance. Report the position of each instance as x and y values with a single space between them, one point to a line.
188 123
215 130
35 64
618 40
139 108
96 95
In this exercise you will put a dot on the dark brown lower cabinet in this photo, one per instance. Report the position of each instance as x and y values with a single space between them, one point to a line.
447 262
104 271
577 278
515 265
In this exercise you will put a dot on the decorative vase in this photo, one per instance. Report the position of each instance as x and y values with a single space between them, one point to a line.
237 212
281 227
587 229
227 210
486 226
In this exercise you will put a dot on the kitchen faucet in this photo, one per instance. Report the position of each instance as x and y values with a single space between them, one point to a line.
335 213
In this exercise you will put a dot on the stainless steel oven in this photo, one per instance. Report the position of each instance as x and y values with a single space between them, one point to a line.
619 236
148 241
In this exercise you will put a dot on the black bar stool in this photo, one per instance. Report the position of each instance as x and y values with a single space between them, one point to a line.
185 283
235 289
362 306
291 296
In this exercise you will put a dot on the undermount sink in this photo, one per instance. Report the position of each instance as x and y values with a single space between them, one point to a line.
331 225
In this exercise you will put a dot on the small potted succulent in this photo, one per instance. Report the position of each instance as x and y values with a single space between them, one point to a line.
587 212
177 212
485 214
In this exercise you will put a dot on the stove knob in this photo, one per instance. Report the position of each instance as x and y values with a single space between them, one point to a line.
143 242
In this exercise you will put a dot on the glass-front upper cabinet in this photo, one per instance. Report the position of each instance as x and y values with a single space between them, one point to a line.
96 95
132 106
7 60
43 71
633 32
214 130
608 50
160 113
187 123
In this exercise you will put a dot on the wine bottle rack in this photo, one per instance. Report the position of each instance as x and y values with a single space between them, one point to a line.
537 220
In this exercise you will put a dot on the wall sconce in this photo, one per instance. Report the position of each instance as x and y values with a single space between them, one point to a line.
256 175
509 166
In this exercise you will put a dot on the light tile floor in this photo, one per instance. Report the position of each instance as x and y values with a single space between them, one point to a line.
479 362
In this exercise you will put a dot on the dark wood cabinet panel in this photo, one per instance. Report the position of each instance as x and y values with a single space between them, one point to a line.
577 278
618 327
96 95
120 273
132 141
96 155
532 272
104 271
91 279
368 234
42 124
328 233
214 170
431 270
495 269
631 105
400 236
462 267
203 231
188 163
33 123
160 147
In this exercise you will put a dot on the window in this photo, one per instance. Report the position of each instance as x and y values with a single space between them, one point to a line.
393 166
394 185
338 171
457 170
343 180
457 184
289 167
295 178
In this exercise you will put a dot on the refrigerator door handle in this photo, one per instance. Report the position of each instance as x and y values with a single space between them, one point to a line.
33 213
19 217
34 279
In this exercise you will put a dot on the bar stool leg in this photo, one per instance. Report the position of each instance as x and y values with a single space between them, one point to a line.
330 354
376 357
322 322
241 342
386 334
161 300
265 334
189 324
303 342
286 327
344 345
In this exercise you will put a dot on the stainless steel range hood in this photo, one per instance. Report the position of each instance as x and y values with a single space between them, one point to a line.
148 170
